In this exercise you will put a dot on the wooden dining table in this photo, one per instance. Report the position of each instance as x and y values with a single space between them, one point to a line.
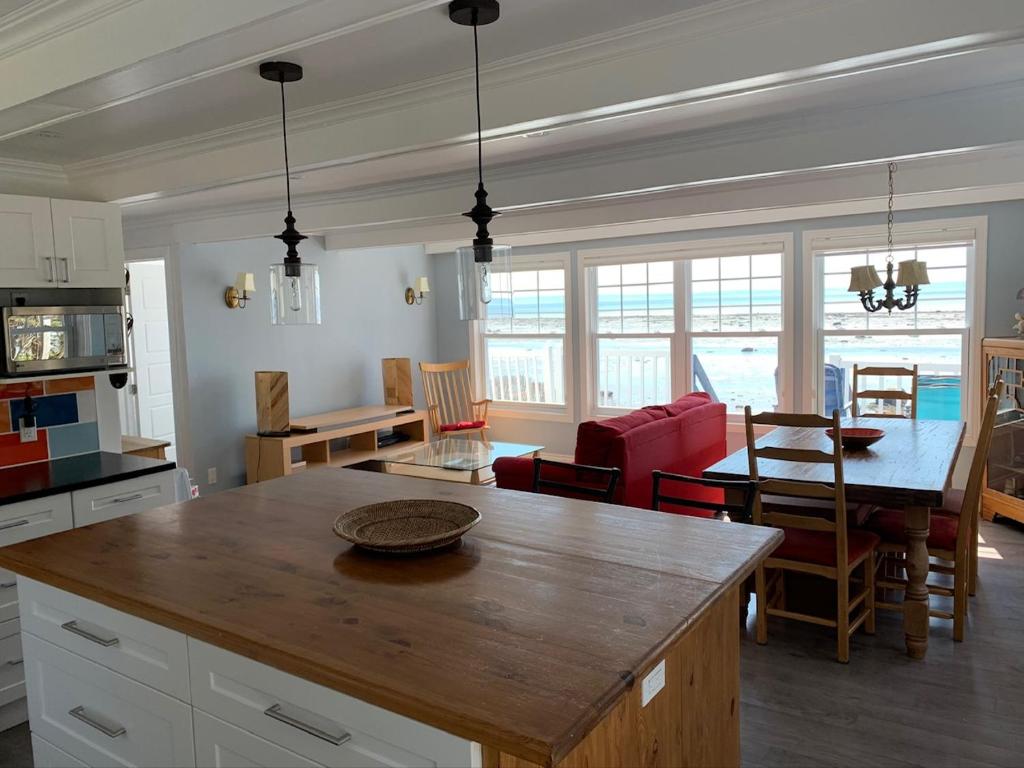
911 469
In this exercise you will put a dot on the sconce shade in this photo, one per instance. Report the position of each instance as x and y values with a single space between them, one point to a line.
912 273
864 279
421 286
245 282
294 299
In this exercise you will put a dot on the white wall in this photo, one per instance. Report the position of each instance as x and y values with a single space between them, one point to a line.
334 365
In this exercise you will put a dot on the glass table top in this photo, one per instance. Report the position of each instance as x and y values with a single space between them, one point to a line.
463 455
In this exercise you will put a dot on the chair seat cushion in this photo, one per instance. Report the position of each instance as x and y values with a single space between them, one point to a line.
819 547
889 524
460 425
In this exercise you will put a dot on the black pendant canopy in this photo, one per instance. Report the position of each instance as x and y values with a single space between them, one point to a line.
478 13
286 72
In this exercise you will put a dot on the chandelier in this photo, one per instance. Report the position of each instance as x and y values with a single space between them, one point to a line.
911 276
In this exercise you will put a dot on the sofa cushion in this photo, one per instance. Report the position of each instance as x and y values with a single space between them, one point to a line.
593 438
686 402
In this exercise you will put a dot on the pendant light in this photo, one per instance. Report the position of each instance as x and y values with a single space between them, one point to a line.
477 262
294 286
912 275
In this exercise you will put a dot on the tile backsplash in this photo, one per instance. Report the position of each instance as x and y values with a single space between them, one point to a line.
65 419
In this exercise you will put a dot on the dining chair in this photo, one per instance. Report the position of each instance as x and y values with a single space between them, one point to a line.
814 543
881 396
575 481
952 536
448 390
675 501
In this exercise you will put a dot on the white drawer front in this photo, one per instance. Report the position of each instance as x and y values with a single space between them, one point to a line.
101 717
31 519
126 497
45 755
8 595
318 723
147 652
12 664
220 745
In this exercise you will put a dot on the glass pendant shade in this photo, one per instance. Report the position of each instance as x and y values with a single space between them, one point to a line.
912 273
475 276
294 294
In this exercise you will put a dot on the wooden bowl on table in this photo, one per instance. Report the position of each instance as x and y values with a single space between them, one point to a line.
857 438
406 526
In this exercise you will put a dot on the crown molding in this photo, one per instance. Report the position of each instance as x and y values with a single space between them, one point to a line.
44 20
30 169
716 18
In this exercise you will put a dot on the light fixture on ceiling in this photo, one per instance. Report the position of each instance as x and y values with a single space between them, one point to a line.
294 286
476 262
912 275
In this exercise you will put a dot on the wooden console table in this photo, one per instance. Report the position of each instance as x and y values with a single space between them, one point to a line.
270 457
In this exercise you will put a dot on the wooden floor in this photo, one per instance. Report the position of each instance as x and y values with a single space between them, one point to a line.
962 706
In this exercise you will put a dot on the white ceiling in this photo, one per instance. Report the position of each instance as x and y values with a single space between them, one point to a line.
175 120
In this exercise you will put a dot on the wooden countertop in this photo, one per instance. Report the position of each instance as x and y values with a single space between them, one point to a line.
522 639
131 443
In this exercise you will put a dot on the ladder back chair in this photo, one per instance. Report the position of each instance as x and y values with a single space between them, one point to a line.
448 390
822 546
899 396
575 481
952 536
744 490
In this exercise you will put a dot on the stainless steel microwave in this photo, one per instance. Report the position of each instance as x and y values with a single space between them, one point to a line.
65 330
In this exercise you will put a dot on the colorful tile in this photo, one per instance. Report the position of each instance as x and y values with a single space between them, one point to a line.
77 384
5 417
13 451
86 406
12 391
51 411
74 439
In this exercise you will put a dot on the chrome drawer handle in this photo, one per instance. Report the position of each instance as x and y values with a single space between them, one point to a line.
15 662
73 628
79 714
15 524
274 711
8 584
67 270
123 499
49 265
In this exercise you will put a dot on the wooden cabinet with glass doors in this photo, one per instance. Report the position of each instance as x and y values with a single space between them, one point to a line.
1004 481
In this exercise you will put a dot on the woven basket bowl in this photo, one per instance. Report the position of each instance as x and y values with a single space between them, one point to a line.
406 525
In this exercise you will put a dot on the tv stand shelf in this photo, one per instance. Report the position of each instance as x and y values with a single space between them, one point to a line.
269 457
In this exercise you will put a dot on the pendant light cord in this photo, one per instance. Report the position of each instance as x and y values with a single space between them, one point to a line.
479 123
284 133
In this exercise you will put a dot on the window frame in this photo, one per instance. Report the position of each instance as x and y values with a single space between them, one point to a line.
934 232
478 353
682 253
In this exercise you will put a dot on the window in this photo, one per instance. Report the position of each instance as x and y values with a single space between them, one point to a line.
635 324
934 335
704 316
523 344
736 329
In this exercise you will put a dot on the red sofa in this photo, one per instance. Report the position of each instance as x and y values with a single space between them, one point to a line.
686 437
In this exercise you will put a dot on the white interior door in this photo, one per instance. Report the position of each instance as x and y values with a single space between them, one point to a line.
152 351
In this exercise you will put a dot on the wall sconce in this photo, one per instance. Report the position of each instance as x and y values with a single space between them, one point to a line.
237 296
416 294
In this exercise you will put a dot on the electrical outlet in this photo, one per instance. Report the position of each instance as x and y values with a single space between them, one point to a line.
211 476
28 433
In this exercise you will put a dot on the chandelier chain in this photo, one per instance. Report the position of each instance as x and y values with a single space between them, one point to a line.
892 195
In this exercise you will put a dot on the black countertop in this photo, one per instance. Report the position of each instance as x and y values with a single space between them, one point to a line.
44 478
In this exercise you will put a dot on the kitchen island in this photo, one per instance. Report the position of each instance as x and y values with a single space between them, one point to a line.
237 629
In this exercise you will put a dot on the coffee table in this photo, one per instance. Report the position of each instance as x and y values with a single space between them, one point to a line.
456 459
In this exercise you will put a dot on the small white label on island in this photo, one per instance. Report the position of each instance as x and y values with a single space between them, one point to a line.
653 683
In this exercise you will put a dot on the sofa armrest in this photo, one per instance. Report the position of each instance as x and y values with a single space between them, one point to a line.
514 473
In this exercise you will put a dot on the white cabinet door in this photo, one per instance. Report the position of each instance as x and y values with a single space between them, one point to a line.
88 244
100 717
26 243
219 745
